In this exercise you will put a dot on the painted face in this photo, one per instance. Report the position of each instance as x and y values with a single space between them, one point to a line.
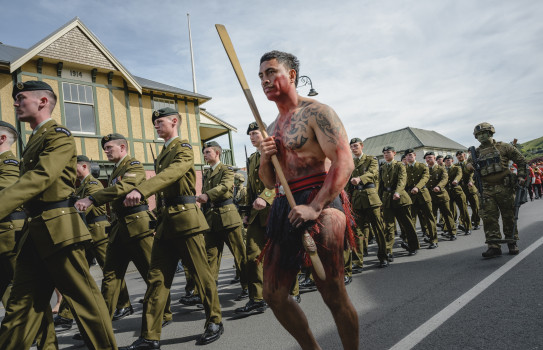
274 78
389 155
410 157
430 160
256 138
26 105
210 155
483 137
165 127
356 149
113 151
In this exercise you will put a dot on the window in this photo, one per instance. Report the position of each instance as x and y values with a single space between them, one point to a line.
79 108
159 103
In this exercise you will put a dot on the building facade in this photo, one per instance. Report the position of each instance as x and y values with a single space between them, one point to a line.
98 96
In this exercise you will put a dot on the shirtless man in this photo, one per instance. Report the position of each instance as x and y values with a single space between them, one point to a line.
304 134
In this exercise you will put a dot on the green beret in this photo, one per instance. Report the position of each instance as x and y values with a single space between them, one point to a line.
82 158
111 137
163 112
389 148
211 144
409 150
459 152
355 140
254 126
439 157
33 85
9 126
448 157
429 154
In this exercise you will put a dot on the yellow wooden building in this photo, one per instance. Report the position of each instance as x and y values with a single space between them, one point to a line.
98 96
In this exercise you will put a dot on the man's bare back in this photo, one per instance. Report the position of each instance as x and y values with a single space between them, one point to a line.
306 137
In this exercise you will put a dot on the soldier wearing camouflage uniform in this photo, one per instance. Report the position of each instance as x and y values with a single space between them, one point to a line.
498 188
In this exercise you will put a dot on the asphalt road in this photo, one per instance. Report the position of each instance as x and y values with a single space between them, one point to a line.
446 298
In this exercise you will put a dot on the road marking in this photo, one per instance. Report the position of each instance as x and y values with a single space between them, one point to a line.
432 324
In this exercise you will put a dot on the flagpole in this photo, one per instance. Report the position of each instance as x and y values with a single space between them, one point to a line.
192 58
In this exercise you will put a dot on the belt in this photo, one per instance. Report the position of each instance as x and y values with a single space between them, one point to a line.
133 210
363 187
179 200
96 219
16 215
222 204
40 207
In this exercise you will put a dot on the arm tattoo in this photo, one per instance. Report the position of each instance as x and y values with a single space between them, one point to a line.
326 122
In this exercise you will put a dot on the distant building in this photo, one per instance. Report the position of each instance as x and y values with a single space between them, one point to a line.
98 96
420 140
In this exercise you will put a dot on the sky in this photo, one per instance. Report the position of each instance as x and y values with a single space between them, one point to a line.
382 65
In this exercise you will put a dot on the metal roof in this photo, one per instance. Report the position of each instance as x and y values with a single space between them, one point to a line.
9 53
409 137
154 85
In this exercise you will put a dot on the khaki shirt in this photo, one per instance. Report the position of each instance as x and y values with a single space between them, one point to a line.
175 176
367 169
438 178
88 186
417 176
218 184
454 173
129 174
9 173
393 178
47 174
256 189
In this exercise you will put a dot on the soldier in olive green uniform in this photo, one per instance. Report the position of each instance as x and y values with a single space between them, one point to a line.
9 173
52 252
458 198
469 188
366 203
222 216
240 201
396 202
498 188
417 178
131 238
440 197
179 234
96 220
260 199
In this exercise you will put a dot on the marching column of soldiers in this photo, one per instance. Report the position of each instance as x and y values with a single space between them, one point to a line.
47 225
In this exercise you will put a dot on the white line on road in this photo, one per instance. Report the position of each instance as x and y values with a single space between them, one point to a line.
432 324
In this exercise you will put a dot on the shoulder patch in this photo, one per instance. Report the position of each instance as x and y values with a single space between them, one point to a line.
231 168
134 162
375 158
186 145
93 182
64 130
11 161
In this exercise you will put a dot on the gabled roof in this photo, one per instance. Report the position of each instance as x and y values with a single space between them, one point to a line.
38 47
409 138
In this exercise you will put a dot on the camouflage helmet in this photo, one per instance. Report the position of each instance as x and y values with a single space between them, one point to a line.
483 127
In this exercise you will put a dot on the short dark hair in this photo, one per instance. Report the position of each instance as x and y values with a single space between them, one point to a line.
289 60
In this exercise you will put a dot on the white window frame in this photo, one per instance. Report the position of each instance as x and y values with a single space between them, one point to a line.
86 102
